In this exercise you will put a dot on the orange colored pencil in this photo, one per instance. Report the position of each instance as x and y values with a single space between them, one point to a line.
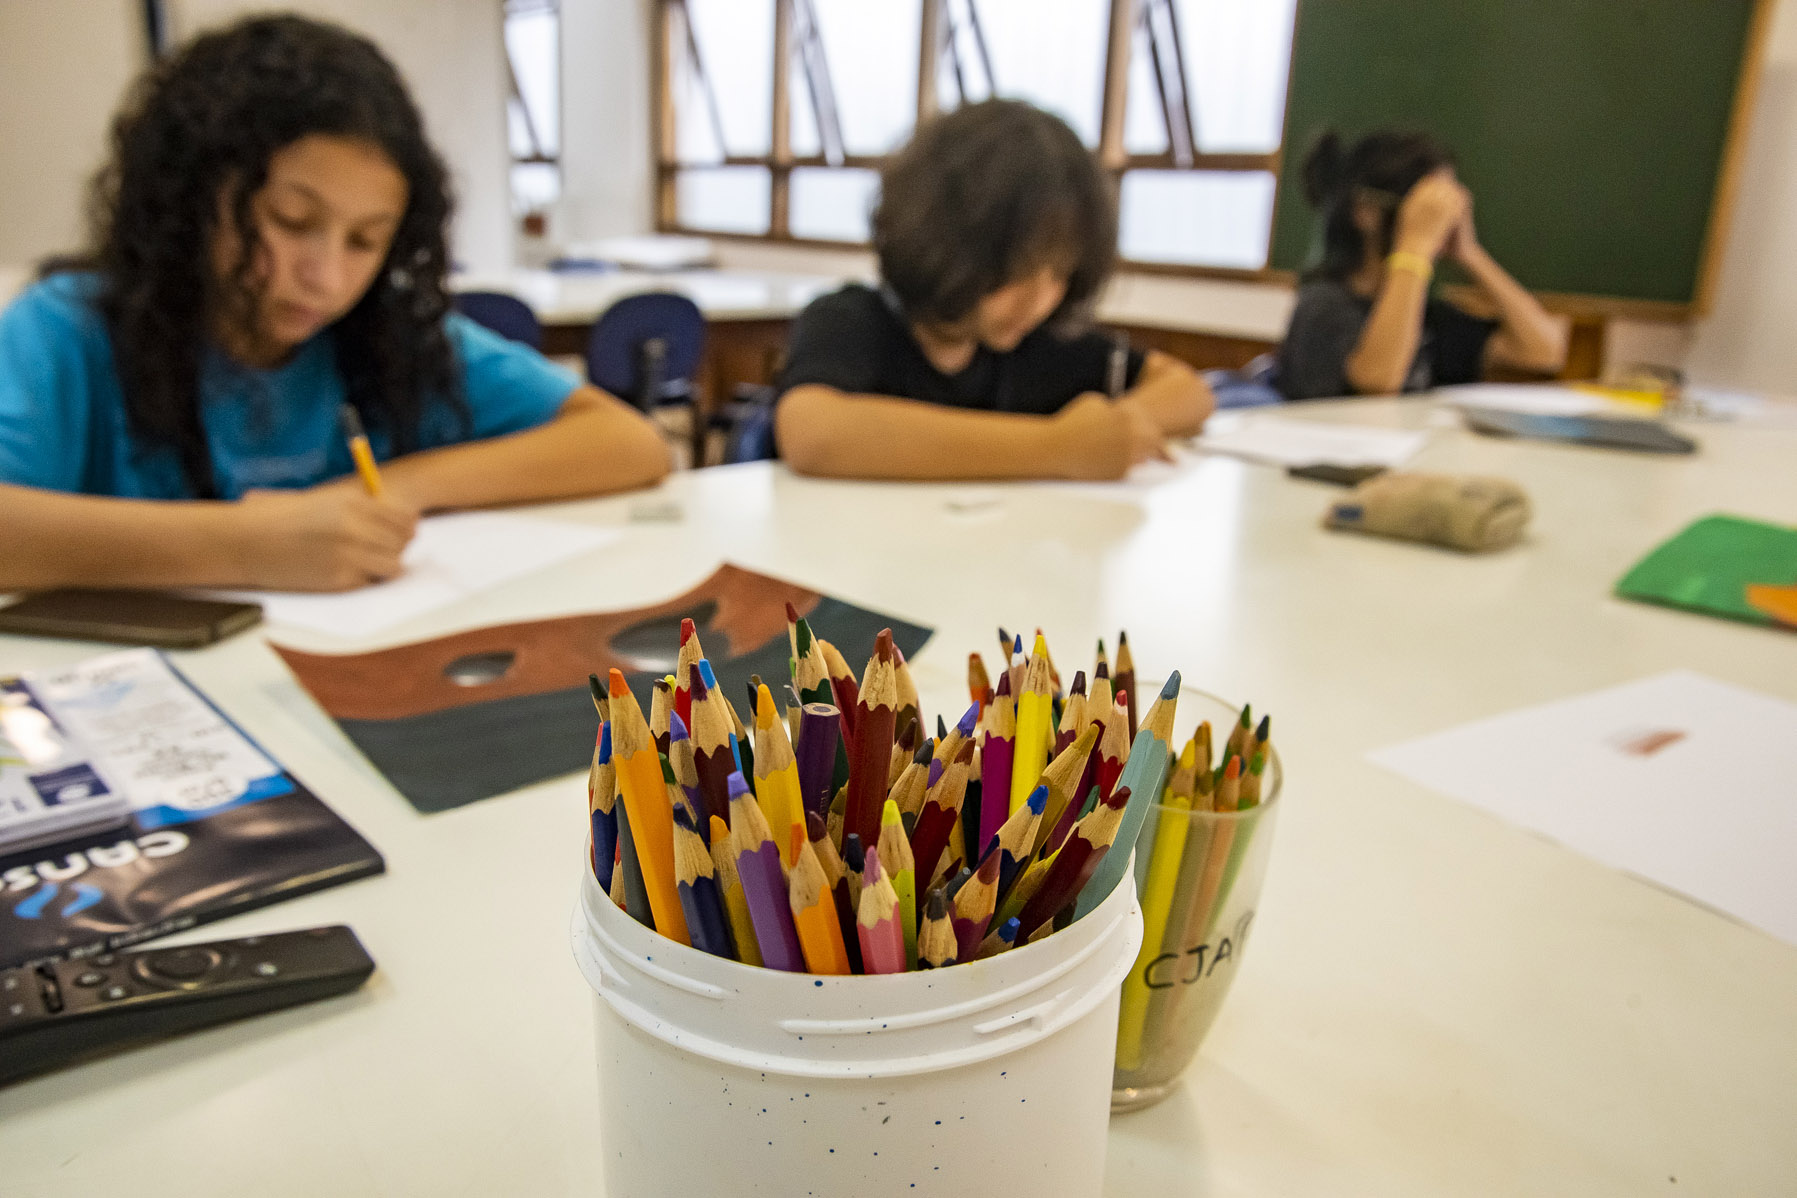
813 912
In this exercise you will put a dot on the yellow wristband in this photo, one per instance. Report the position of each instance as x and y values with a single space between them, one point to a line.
1416 264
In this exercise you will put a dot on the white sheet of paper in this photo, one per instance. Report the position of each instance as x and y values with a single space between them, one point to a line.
1287 442
451 558
1538 399
1681 779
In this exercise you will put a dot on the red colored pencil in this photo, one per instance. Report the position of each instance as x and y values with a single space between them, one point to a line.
871 756
1073 865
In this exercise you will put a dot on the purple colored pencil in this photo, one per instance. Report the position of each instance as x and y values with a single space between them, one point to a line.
764 885
820 734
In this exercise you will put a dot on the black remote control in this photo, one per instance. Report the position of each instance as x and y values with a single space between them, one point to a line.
54 1015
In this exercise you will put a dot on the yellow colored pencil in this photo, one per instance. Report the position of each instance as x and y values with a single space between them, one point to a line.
1157 901
777 776
1035 727
646 802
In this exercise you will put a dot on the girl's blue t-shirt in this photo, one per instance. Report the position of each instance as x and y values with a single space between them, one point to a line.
63 425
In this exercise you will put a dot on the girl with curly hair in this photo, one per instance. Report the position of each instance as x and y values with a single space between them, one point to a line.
269 245
995 230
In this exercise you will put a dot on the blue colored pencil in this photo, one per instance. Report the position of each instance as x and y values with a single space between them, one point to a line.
695 878
602 803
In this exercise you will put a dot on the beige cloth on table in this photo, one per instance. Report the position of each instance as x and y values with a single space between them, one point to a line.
1469 513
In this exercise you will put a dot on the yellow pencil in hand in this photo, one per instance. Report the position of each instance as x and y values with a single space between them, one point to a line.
360 451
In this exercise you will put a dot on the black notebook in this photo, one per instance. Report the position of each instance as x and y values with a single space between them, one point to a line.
131 807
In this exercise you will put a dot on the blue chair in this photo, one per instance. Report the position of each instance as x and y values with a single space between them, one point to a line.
645 349
506 315
748 424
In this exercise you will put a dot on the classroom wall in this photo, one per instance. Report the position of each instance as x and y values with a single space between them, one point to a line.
62 67
65 65
1747 340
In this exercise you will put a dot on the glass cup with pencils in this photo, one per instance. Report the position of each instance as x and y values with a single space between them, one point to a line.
1199 865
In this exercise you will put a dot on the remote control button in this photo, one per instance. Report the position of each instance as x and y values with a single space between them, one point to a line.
268 969
114 993
90 979
184 964
105 959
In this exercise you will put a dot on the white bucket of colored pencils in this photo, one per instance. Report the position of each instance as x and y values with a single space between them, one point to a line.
1200 862
721 1078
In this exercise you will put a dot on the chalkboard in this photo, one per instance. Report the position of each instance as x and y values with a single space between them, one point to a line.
1594 134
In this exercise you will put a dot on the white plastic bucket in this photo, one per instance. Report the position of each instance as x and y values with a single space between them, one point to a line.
716 1078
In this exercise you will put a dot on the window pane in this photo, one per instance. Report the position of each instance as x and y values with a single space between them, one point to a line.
1049 52
871 50
725 199
1203 218
531 43
831 204
1236 58
736 48
535 186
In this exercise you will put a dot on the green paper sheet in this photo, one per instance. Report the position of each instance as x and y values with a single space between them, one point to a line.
1709 566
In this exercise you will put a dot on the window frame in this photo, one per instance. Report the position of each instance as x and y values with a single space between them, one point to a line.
780 161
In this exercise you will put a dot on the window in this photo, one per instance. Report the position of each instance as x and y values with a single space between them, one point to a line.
533 110
774 115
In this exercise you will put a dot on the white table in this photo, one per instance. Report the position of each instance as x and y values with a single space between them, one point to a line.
1434 1002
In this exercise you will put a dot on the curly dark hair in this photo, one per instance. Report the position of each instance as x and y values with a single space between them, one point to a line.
193 140
981 197
1383 165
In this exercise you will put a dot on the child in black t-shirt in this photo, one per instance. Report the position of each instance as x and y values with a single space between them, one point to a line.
1365 321
995 229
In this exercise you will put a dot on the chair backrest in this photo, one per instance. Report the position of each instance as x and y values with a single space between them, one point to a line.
505 314
751 434
647 346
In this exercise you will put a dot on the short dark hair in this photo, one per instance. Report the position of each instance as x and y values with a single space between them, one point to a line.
1387 163
981 197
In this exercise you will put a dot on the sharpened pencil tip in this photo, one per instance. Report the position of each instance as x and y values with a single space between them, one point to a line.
676 727
1172 687
765 715
792 614
737 784
883 646
968 720
711 679
687 630
618 689
1038 800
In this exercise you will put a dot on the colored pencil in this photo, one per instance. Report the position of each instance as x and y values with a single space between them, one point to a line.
836 878
1018 664
1001 940
1016 838
1102 663
1085 849
949 744
736 900
1113 747
601 700
908 792
904 748
686 773
764 884
636 894
1035 733
1250 794
1144 776
1073 714
602 803
1173 821
871 755
901 867
936 938
813 915
842 686
878 925
975 902
1124 681
909 712
740 744
979 683
1240 733
661 706
810 672
820 740
1099 696
616 892
691 653
696 879
940 815
646 800
776 773
997 758
854 861
1063 777
713 759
